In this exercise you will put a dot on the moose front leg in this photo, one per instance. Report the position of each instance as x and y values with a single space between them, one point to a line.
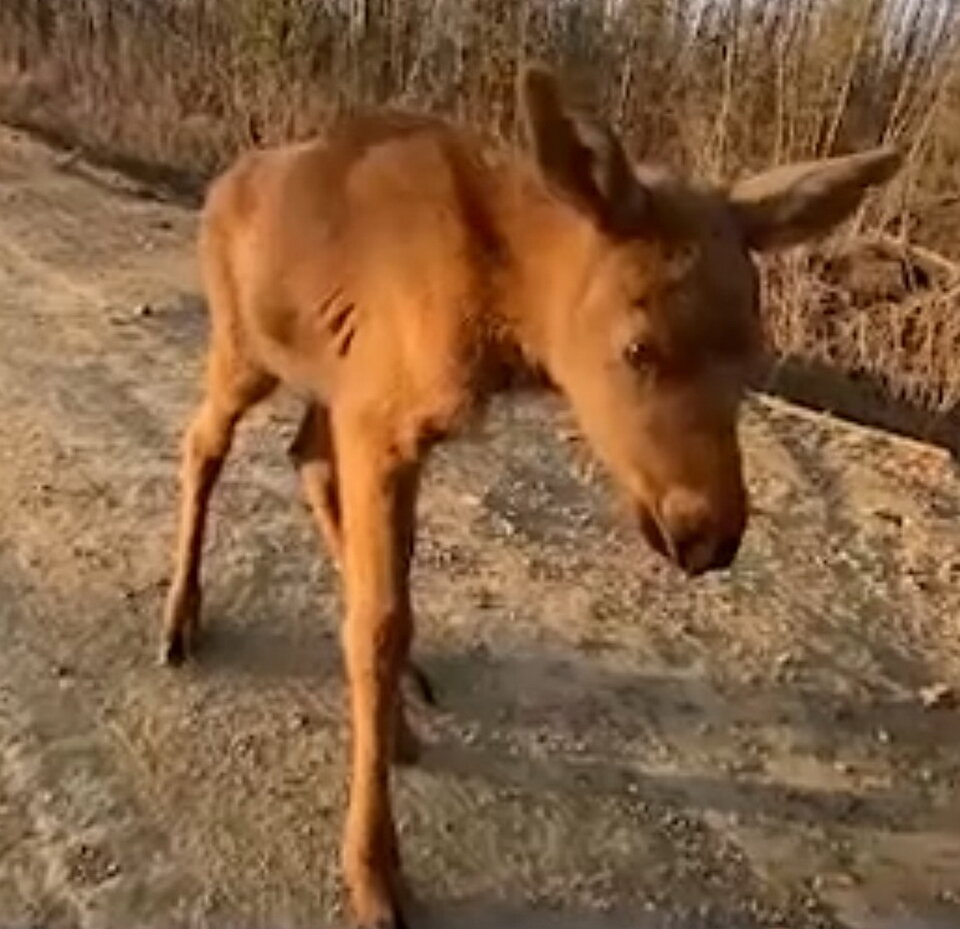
378 489
313 455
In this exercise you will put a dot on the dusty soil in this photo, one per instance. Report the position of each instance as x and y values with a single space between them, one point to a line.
615 747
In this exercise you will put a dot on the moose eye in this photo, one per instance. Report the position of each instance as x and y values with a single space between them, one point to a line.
640 355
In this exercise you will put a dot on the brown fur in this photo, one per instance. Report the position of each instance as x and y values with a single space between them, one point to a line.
398 273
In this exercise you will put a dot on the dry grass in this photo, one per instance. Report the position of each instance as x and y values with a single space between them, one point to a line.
719 86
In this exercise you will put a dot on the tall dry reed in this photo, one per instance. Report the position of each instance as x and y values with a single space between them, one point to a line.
719 86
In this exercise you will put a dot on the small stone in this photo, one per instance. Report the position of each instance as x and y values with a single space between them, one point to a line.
889 516
89 865
299 721
938 696
143 310
244 745
67 159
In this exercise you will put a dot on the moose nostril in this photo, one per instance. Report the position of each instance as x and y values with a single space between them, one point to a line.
693 550
699 535
702 550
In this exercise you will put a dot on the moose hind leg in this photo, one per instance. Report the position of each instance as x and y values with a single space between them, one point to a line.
313 457
232 388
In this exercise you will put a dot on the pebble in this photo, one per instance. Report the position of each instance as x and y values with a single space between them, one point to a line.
299 721
938 696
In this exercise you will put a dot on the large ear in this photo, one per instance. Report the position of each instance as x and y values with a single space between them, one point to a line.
795 202
579 157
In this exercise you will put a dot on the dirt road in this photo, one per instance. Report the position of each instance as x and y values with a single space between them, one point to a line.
616 747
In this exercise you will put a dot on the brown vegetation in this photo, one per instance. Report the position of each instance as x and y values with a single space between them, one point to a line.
721 86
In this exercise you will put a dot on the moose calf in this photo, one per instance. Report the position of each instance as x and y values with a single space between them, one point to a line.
399 272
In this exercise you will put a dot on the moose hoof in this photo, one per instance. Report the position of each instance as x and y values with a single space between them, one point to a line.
377 894
393 920
388 917
376 912
180 627
174 649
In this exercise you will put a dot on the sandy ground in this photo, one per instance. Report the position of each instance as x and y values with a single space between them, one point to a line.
616 746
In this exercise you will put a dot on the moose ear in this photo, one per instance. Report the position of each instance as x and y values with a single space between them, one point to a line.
579 157
793 203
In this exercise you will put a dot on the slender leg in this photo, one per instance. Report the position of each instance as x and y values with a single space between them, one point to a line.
313 454
232 388
378 498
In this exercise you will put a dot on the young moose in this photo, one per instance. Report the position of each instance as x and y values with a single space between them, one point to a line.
398 274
